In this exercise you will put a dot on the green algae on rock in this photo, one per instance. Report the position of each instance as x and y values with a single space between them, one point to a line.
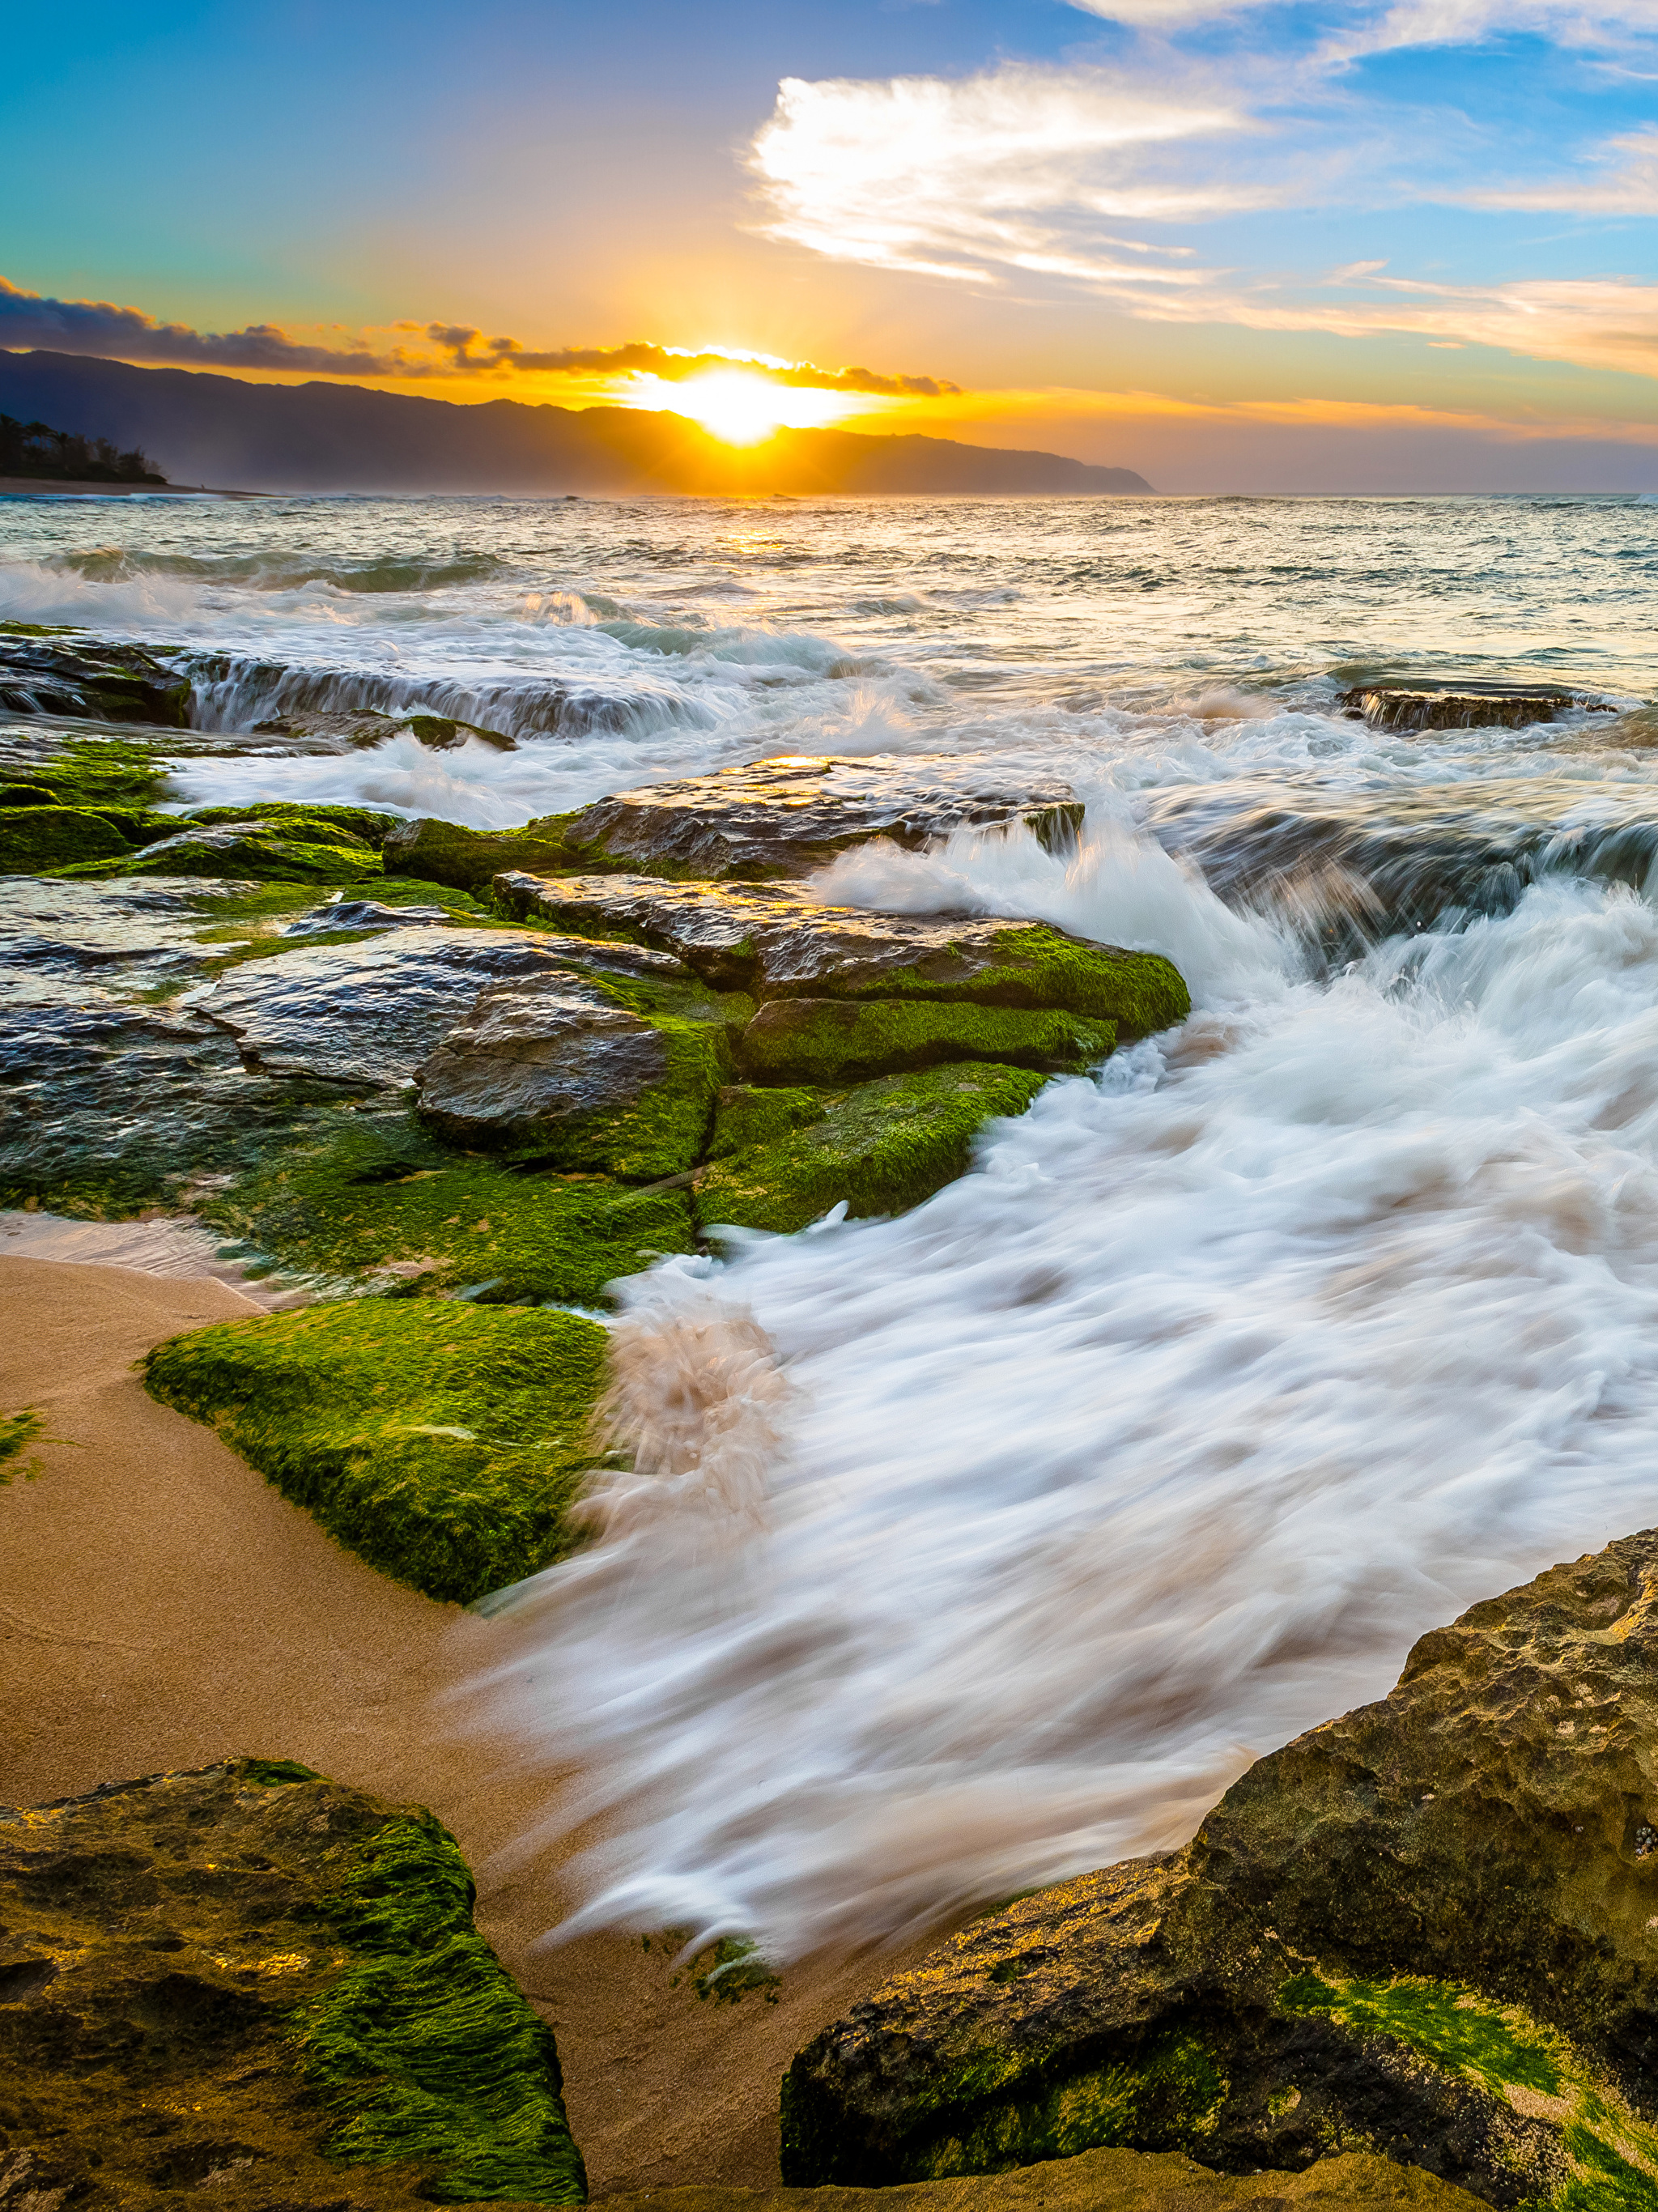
1096 2181
370 1199
781 1158
443 1441
35 839
259 851
447 853
845 1040
1424 1929
249 1976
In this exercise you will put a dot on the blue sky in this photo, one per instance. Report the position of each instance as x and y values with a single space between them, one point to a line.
1256 239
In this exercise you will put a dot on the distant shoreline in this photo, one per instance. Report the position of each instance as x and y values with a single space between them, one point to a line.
79 488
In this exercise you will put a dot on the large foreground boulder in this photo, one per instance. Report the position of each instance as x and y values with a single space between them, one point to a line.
252 1987
1429 1929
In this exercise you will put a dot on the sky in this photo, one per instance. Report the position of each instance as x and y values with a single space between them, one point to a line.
1314 247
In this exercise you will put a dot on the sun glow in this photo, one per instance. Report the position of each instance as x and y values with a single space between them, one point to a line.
741 407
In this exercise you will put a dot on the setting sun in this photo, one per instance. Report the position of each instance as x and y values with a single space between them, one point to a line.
742 406
734 405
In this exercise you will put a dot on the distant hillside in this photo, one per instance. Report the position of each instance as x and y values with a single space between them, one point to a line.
337 437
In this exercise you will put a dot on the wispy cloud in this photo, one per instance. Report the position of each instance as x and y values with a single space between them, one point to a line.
1621 178
404 352
1354 29
1012 168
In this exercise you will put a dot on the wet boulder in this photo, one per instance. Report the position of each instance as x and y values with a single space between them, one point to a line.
781 1157
1468 705
1424 1929
844 1040
778 942
105 682
256 1985
789 815
550 1068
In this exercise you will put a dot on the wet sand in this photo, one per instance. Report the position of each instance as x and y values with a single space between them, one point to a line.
160 1606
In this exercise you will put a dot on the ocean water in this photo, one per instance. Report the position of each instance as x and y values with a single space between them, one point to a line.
971 1549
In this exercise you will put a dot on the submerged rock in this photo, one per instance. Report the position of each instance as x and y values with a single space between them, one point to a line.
443 1441
256 1984
103 682
781 1157
552 1069
1424 1929
1095 2181
789 815
778 942
1466 706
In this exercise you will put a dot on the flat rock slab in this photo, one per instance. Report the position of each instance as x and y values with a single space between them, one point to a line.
1424 1929
1099 2181
250 1982
788 815
1466 706
779 942
369 1013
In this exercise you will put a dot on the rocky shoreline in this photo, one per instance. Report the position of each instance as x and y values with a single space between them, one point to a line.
449 1084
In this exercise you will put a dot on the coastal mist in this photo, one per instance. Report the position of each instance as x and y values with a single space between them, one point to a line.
967 1550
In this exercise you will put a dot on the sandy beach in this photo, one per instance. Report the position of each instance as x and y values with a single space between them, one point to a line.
160 1606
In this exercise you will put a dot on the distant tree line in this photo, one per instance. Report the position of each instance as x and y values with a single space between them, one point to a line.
34 449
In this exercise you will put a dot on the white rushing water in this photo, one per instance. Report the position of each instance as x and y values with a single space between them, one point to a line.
971 1549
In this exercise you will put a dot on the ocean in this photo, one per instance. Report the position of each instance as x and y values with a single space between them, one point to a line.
1160 1435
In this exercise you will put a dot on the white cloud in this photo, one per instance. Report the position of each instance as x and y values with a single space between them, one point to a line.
1008 169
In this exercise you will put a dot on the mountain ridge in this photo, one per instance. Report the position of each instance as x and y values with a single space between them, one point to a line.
324 437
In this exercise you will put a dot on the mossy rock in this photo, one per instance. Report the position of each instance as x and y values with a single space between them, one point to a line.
95 772
447 853
781 1158
256 852
372 1200
250 1978
1424 1929
116 682
36 840
826 1041
441 1441
369 825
